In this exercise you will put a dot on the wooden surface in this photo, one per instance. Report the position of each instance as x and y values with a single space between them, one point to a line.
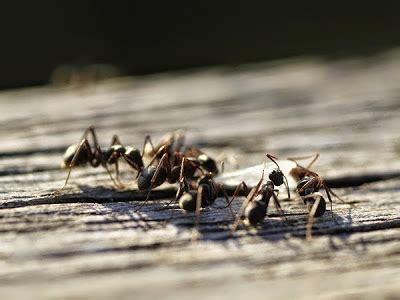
89 243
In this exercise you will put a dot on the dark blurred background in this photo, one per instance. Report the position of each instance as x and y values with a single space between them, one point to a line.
146 37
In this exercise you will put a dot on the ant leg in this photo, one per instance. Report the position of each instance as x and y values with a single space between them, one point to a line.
330 201
147 140
315 157
199 196
237 190
248 199
286 185
130 162
92 131
84 144
279 208
221 187
155 155
115 140
311 219
117 184
313 161
182 180
117 175
182 187
163 161
332 192
310 183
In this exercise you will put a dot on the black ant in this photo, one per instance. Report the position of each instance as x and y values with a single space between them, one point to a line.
254 208
168 170
200 193
83 153
173 166
308 188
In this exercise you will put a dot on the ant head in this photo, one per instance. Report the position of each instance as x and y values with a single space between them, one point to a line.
276 176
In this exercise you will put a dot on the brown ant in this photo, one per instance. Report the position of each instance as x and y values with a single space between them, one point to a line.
308 188
173 144
254 208
83 153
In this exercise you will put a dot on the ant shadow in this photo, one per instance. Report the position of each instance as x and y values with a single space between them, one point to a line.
340 237
120 208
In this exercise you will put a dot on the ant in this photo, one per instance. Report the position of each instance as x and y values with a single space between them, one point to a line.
175 164
308 188
83 153
254 208
202 193
174 143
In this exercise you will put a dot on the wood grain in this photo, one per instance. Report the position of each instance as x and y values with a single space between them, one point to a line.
90 242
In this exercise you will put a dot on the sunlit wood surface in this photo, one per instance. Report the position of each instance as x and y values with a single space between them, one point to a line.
90 242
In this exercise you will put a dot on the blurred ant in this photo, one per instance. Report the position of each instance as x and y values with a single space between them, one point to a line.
308 188
83 153
254 208
174 143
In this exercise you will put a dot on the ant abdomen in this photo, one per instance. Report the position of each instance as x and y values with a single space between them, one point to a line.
174 175
69 154
255 212
188 201
144 180
309 201
135 156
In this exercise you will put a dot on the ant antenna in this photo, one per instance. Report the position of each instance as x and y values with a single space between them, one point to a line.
273 158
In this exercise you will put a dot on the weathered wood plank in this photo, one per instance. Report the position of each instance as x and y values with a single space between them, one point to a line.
90 242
